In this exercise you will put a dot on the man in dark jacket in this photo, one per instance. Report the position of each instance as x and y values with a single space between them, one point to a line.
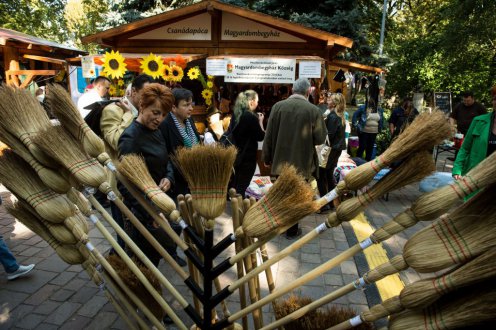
295 127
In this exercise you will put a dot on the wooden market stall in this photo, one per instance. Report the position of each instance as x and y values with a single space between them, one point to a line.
25 58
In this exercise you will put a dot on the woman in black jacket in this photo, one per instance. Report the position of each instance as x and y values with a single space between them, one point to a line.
144 138
248 130
336 126
179 130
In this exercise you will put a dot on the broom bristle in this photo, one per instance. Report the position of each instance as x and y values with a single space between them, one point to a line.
136 286
426 131
414 168
422 293
63 107
287 201
56 142
319 319
438 202
51 178
67 253
19 178
134 168
207 169
455 238
23 116
470 306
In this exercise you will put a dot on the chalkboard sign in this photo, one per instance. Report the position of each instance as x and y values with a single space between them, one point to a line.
442 100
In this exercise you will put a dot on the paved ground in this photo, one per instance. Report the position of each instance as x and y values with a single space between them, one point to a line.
60 296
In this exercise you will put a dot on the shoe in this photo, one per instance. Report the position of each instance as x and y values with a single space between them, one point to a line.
21 271
292 237
180 261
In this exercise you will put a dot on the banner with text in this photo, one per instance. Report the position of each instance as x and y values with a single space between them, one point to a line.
261 70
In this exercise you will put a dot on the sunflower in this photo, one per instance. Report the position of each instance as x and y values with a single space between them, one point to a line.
208 102
114 65
194 73
176 73
210 77
120 83
207 94
152 65
167 72
210 84
112 90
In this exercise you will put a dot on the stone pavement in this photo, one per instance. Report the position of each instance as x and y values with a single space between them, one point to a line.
61 296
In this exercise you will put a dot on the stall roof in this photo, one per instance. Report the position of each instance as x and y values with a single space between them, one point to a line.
355 66
30 42
107 37
297 57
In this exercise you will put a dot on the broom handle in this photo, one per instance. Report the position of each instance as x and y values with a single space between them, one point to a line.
348 324
126 289
132 266
312 306
136 249
165 225
124 300
239 264
280 255
300 281
247 203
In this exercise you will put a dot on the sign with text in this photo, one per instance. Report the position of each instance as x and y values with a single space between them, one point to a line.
261 70
309 69
194 28
442 100
88 67
216 67
237 28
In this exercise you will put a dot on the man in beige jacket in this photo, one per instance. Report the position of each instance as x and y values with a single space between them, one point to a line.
116 117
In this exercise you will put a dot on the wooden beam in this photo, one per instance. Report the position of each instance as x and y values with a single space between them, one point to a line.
45 59
35 72
356 66
11 62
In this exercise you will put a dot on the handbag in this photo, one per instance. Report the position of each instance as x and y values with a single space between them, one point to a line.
323 151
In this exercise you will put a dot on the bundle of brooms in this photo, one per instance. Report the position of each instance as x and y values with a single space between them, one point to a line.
207 169
23 116
287 201
61 104
425 132
465 211
20 178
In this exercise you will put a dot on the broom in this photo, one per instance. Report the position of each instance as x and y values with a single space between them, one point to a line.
50 177
23 116
134 168
413 169
67 253
287 201
425 132
61 104
473 306
477 236
416 295
19 178
56 142
207 169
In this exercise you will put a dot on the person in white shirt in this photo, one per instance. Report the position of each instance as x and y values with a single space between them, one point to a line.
99 92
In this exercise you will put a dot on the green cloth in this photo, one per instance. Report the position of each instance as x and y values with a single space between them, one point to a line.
474 147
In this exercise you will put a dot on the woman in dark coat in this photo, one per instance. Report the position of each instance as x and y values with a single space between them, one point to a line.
247 131
336 126
179 130
144 138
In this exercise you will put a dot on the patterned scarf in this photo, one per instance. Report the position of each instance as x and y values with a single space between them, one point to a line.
187 132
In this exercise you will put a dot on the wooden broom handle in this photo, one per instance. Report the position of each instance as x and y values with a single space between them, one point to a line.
300 281
150 239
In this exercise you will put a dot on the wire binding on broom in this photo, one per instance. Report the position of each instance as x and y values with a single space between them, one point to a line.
207 169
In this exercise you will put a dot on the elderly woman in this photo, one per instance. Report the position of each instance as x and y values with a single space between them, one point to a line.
144 138
179 130
368 119
247 129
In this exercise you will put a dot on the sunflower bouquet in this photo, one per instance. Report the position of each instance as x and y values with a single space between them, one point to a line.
208 84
